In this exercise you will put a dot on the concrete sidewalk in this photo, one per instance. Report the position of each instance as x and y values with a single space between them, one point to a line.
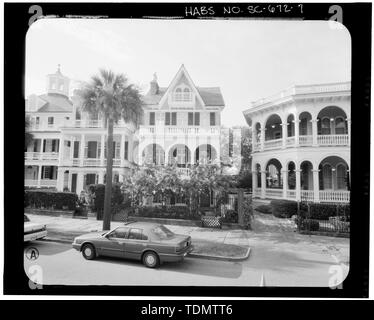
64 229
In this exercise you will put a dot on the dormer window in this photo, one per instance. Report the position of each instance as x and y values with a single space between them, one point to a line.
182 93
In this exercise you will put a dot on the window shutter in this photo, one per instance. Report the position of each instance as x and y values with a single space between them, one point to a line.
99 149
167 118
190 118
197 118
173 118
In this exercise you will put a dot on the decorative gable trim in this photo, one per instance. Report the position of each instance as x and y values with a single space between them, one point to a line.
182 70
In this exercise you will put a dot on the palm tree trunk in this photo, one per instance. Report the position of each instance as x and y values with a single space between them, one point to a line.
108 183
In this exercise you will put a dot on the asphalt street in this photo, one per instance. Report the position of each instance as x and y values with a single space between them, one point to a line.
282 266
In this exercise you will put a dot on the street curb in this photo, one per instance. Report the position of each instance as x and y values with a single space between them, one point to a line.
221 258
57 240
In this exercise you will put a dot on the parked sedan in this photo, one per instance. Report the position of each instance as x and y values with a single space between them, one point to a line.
33 231
150 243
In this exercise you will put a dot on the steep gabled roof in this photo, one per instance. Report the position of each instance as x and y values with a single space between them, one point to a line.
210 96
55 103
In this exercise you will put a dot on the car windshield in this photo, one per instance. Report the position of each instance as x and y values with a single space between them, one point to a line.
25 218
162 232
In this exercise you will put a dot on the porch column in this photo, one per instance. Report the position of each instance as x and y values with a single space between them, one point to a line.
316 185
80 178
263 184
72 148
349 131
285 182
297 121
60 179
298 185
315 132
81 151
254 180
263 130
101 177
122 149
42 145
39 175
284 134
102 151
61 150
254 138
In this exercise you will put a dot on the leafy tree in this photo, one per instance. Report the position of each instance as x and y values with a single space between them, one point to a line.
112 96
29 137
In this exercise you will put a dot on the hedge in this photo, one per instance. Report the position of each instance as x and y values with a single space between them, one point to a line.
167 212
307 224
284 208
264 208
97 192
231 216
50 200
323 211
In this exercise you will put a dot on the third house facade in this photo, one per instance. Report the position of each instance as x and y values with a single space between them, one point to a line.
301 143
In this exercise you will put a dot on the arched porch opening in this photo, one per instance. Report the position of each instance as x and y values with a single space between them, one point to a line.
205 153
273 174
291 125
332 120
153 154
291 179
334 174
180 155
273 128
306 175
305 125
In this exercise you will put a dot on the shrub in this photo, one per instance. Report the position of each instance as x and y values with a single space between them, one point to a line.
97 194
231 216
248 213
264 208
307 224
283 208
167 212
51 200
322 211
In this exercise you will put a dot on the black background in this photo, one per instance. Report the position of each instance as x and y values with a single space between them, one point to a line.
356 18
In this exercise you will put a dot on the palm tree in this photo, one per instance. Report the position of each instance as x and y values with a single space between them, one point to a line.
112 96
28 136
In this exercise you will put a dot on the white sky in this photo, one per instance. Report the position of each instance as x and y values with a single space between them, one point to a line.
247 59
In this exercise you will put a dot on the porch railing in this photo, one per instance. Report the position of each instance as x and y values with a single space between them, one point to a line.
307 195
333 140
274 193
41 155
273 144
334 196
305 140
329 196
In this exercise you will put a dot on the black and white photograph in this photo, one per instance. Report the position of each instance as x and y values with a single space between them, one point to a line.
193 152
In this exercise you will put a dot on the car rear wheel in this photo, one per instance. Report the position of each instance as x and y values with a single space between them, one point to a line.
88 251
150 259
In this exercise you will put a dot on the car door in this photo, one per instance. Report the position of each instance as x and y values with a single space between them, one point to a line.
114 243
136 242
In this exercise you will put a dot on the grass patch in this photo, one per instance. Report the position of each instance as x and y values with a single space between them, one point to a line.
218 249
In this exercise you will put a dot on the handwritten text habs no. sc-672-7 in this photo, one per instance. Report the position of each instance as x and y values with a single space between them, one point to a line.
241 10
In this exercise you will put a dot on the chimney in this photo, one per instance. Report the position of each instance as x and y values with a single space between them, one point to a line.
154 85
